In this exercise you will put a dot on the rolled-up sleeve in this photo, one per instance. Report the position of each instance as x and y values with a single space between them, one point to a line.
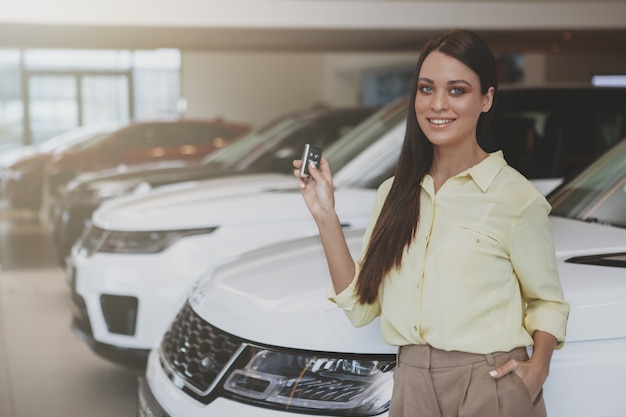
358 314
533 257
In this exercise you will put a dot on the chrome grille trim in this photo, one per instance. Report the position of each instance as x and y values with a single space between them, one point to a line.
181 357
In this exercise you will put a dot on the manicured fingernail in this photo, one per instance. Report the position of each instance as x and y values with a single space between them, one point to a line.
493 373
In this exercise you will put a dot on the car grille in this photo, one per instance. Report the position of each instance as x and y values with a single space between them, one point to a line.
196 353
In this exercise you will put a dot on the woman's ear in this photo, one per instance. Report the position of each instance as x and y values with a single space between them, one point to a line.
488 100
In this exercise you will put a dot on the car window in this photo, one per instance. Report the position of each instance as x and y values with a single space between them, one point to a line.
321 132
85 143
254 142
598 194
554 133
364 135
171 135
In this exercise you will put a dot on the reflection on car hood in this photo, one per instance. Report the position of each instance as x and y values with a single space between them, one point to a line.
220 202
277 294
147 173
139 172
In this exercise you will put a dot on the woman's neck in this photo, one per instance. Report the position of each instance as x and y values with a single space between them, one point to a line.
448 162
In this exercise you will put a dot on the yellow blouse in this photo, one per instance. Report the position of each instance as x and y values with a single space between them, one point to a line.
480 275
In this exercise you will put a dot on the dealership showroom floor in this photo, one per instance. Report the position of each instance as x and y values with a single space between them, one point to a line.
45 370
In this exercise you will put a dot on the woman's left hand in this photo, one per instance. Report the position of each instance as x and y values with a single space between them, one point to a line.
533 375
534 371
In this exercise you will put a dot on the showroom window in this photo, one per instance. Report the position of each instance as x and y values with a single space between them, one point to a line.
46 92
11 106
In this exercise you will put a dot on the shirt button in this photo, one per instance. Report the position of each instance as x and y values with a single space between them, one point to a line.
415 328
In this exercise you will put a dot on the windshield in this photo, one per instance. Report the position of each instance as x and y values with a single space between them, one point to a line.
74 137
597 194
368 132
84 143
253 144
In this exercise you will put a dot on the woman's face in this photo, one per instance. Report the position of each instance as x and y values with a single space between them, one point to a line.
448 101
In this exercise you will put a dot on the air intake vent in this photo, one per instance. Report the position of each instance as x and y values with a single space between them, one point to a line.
617 260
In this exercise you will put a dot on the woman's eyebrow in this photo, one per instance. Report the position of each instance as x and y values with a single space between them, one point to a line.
451 82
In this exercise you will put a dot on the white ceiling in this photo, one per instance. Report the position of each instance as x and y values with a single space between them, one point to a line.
566 26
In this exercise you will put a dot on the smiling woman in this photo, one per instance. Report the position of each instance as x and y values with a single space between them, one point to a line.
460 337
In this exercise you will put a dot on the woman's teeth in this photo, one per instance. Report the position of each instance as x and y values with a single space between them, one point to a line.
441 121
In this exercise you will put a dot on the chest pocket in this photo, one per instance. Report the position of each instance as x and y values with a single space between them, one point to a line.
479 242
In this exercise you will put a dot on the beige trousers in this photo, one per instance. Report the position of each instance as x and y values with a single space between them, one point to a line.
429 382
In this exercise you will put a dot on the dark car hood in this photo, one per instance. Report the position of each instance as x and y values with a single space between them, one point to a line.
153 176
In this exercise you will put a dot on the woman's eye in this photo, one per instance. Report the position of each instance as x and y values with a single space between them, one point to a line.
456 91
426 89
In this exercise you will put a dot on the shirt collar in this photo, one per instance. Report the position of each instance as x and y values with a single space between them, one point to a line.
485 172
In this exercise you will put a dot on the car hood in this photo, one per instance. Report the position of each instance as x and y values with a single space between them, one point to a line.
278 294
215 202
596 293
153 173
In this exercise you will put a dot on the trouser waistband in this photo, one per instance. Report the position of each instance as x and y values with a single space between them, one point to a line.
428 357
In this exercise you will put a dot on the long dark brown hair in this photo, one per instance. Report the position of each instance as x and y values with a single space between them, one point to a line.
397 223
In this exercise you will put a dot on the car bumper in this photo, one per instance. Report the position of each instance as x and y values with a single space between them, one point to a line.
159 282
129 302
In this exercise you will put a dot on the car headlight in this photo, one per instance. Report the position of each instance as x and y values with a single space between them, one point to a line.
106 241
342 385
206 362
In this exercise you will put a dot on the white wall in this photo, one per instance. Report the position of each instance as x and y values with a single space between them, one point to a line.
256 87
250 87
342 73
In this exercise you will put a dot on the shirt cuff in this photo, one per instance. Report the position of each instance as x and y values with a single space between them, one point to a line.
346 299
549 321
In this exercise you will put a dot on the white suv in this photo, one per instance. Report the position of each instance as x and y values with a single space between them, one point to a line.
132 270
258 337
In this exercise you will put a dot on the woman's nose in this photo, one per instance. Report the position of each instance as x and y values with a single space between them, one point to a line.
439 101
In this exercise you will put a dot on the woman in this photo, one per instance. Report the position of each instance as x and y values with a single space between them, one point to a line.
459 260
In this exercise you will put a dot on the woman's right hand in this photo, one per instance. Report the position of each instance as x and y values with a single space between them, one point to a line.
317 191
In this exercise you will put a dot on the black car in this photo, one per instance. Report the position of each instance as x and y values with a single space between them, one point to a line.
268 149
554 132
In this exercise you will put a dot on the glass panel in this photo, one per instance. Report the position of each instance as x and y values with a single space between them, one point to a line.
53 106
597 194
61 59
156 68
105 98
11 104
